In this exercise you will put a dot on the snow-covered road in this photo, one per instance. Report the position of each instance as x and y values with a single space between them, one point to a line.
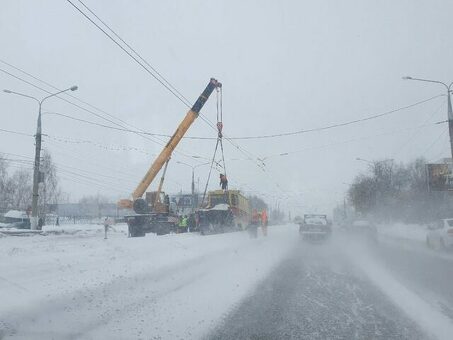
350 289
80 286
168 287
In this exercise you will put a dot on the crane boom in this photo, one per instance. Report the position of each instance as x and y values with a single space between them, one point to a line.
165 154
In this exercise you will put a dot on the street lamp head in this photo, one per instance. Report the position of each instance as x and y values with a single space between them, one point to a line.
407 78
73 88
7 91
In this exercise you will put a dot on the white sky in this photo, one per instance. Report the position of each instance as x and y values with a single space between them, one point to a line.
284 65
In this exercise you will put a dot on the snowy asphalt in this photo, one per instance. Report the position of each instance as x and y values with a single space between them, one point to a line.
223 287
319 293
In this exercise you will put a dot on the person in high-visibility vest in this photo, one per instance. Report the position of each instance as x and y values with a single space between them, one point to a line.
183 224
264 221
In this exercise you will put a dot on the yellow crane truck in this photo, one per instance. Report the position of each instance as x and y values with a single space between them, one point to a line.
152 214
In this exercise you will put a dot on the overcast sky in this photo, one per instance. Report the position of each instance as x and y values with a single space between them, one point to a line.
284 65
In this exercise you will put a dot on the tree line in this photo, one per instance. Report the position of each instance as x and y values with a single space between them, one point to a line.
397 192
16 184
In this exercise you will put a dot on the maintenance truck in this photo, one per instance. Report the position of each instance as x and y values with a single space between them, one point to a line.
225 211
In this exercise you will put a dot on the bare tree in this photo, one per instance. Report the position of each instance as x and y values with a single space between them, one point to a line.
16 188
4 185
19 186
49 190
398 192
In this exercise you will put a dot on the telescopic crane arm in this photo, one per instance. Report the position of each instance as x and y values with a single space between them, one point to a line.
165 154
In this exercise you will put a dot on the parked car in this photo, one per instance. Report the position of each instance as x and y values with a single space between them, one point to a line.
440 234
16 219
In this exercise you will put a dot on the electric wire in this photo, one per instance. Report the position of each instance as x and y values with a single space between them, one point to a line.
137 54
436 140
17 132
182 99
332 126
412 136
129 53
121 127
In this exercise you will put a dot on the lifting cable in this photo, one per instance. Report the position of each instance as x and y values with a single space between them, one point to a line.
219 107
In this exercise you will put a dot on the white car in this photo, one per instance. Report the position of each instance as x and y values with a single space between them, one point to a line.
440 234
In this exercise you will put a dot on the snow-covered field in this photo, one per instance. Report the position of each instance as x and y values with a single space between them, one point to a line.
76 284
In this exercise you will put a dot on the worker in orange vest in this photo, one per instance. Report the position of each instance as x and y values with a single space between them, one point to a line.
264 221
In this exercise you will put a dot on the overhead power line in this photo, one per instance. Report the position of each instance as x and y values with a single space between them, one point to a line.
159 78
136 58
17 132
68 101
436 140
399 149
137 54
338 143
332 126
120 127
284 134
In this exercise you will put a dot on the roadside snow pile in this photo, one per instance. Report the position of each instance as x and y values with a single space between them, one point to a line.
82 229
71 229
167 287
413 232
19 232
17 214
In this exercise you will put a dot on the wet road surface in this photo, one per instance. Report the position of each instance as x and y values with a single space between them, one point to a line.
317 293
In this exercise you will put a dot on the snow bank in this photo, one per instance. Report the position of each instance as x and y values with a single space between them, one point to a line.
81 228
16 214
167 287
426 315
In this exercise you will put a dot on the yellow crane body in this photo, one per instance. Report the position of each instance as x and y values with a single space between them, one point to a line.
166 153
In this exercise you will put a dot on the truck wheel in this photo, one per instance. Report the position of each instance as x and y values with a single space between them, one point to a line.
136 231
161 229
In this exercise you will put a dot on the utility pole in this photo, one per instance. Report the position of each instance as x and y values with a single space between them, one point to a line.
38 137
449 109
34 202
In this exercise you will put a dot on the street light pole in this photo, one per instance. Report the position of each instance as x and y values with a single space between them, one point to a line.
449 108
38 137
